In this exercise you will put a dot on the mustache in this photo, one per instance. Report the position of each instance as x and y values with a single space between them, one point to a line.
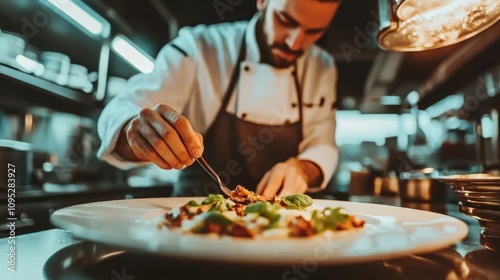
284 48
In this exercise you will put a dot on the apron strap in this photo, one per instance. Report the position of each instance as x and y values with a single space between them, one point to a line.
298 89
235 75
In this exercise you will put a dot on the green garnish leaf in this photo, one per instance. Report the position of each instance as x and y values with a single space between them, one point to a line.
317 221
265 210
213 198
296 201
193 203
257 207
220 206
216 218
333 217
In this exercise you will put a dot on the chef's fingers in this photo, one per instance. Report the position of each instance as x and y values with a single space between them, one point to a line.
263 182
293 183
141 147
275 180
200 138
170 138
183 127
156 141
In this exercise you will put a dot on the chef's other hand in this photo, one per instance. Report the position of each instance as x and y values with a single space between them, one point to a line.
162 136
289 177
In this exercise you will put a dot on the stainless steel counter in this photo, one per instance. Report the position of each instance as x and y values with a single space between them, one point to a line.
56 253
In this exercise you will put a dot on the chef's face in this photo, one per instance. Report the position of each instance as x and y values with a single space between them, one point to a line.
291 26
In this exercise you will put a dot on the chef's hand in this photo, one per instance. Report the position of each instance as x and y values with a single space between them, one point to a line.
290 177
162 136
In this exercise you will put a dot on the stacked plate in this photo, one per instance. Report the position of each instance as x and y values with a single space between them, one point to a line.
479 196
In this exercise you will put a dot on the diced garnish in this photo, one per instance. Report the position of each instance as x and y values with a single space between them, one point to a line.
244 196
300 227
248 215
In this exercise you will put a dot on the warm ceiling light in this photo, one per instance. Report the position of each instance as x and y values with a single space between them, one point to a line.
415 25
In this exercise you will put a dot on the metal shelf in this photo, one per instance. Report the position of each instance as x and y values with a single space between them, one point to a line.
22 90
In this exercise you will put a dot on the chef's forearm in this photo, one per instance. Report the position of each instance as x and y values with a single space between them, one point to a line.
313 173
122 147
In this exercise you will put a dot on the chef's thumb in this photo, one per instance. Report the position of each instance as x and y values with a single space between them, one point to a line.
198 150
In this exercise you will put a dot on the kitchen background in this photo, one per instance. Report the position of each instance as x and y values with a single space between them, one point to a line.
61 61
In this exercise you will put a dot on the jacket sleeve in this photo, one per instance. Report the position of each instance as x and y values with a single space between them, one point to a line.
319 144
171 83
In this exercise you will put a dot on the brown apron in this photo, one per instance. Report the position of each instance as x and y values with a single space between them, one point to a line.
241 152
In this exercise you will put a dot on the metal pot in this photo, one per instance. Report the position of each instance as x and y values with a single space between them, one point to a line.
422 186
19 155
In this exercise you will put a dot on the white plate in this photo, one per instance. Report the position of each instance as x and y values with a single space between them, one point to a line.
389 232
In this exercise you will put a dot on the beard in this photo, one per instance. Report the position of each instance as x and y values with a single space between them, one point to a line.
278 54
283 56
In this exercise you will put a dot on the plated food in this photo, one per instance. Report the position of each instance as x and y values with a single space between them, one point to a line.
389 232
249 215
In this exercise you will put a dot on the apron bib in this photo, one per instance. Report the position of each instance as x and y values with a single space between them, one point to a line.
241 151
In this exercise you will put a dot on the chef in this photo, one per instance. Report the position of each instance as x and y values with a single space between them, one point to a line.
256 99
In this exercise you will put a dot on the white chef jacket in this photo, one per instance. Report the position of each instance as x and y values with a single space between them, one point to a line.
191 75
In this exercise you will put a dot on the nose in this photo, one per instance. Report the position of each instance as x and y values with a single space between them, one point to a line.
295 39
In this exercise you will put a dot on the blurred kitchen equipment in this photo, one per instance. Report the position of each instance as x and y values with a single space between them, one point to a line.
18 154
78 78
28 61
57 67
41 159
422 185
386 185
479 196
362 181
477 190
5 132
488 139
11 45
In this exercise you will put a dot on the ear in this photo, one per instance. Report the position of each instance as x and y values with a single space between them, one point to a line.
261 4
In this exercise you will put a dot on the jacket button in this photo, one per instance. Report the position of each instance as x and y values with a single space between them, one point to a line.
246 68
244 115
